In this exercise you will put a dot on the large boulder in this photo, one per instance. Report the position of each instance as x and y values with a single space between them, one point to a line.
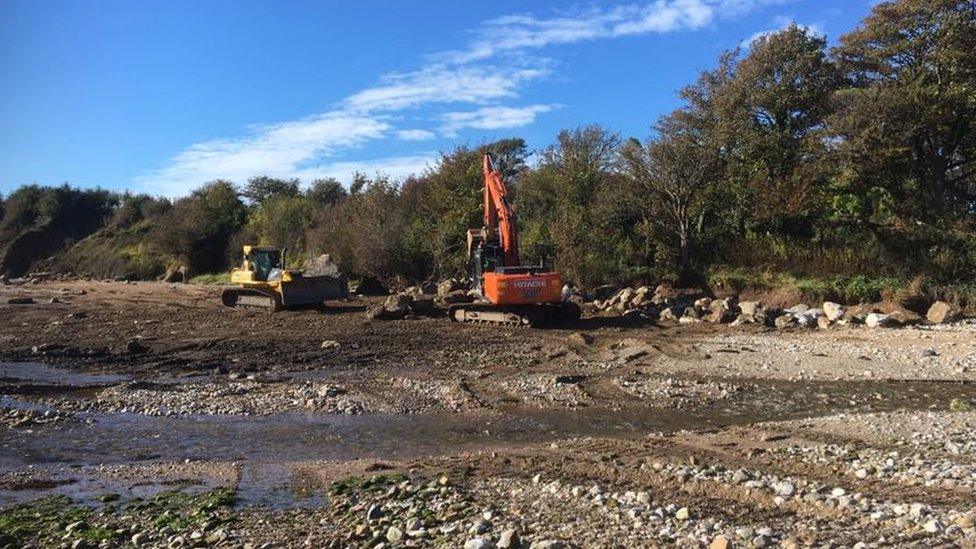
449 285
941 312
721 310
878 320
457 296
321 266
833 311
395 307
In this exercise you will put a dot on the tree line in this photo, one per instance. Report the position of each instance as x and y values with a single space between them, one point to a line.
787 156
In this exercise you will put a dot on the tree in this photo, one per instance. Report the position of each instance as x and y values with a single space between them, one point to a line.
676 171
262 187
773 114
326 191
905 126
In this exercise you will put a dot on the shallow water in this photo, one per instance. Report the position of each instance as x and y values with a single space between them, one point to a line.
266 446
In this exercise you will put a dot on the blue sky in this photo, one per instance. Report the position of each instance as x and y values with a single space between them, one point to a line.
161 96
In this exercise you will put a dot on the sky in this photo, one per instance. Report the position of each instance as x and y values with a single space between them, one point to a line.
162 96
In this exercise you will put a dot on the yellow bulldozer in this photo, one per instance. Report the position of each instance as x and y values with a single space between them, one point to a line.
262 281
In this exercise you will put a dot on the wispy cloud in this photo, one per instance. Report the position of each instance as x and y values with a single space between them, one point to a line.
492 118
397 167
491 69
415 135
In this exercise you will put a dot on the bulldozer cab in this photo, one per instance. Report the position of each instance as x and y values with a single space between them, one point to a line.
263 260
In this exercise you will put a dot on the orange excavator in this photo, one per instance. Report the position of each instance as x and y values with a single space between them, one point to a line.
511 293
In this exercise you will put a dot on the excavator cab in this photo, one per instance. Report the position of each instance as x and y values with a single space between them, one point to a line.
263 261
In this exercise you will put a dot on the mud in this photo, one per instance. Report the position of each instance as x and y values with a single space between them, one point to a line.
144 389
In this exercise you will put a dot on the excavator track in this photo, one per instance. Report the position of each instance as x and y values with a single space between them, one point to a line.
250 298
515 316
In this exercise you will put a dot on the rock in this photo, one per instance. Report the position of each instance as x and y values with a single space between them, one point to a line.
720 310
784 321
667 315
547 544
682 514
749 308
374 512
690 316
798 309
508 539
878 320
926 353
322 266
933 527
477 543
740 476
330 344
805 320
394 534
833 311
457 296
581 338
941 312
140 538
20 301
786 489
74 526
824 322
719 542
395 307
449 285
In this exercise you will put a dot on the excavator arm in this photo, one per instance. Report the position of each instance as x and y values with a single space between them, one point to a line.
499 214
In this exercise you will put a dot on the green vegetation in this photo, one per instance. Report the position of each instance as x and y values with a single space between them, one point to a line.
212 278
846 173
45 521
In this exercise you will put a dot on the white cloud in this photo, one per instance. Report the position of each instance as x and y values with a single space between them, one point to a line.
491 68
492 118
415 135
273 149
441 84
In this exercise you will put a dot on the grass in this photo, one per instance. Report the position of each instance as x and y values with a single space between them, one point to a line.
852 289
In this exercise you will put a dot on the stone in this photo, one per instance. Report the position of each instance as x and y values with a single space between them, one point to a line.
690 316
784 321
477 543
667 315
74 526
448 286
322 265
933 527
457 296
740 476
878 320
798 309
547 544
719 542
423 306
374 512
941 312
330 344
140 538
824 322
833 311
720 310
508 539
749 308
682 514
394 534
786 489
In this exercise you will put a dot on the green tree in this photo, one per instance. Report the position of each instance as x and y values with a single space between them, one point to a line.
904 126
262 187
